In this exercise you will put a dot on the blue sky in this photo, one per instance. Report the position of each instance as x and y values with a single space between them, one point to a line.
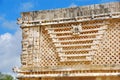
10 33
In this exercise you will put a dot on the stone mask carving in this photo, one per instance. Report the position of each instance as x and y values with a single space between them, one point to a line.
76 29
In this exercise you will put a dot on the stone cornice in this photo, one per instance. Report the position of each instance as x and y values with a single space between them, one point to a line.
83 13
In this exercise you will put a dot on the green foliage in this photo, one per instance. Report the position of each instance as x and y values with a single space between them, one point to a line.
5 77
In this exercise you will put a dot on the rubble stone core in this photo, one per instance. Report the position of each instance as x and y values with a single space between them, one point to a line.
80 43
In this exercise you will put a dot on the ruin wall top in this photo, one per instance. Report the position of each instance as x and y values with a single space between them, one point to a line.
72 12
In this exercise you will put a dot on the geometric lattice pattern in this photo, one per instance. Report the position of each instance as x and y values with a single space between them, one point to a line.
48 54
76 49
41 48
67 44
109 49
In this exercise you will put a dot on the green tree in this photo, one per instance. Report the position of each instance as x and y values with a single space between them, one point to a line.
5 77
8 77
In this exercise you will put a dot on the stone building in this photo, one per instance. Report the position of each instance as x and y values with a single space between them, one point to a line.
78 43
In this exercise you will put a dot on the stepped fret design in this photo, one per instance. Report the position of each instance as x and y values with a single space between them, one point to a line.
79 43
76 43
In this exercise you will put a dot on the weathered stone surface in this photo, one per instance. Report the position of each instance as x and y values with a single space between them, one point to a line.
80 43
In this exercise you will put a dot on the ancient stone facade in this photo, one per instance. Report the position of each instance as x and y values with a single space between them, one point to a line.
79 43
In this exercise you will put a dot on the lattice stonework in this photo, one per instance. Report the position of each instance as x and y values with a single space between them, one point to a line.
109 49
71 44
41 45
48 54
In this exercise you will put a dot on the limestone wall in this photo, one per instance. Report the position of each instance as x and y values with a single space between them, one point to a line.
71 48
72 12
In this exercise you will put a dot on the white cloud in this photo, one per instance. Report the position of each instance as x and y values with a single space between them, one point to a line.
8 24
26 6
73 5
2 18
10 49
10 46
